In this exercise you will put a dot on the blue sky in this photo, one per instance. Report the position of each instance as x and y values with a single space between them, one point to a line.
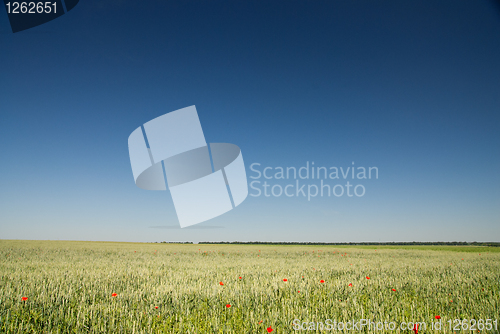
412 88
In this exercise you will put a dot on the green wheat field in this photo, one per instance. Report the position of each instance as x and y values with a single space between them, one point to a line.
108 287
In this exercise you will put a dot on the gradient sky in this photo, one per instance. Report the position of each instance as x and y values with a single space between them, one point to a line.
411 87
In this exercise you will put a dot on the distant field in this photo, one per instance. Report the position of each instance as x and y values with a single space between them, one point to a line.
173 288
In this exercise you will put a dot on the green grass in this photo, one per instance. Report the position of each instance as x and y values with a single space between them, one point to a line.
467 249
69 286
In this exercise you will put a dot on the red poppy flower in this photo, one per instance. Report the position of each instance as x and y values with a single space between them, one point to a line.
393 289
240 277
24 298
285 280
156 306
228 305
367 277
298 291
221 283
322 281
437 317
269 329
114 295
350 284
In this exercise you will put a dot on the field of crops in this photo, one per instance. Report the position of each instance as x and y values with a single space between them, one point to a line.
97 287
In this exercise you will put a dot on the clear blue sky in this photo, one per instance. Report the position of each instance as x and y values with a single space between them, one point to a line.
411 87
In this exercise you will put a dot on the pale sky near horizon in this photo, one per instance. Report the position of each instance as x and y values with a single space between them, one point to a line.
412 88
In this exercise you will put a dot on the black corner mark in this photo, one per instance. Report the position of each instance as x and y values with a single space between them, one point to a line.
28 14
70 4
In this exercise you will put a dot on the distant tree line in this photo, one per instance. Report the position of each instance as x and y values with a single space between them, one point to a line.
175 242
412 243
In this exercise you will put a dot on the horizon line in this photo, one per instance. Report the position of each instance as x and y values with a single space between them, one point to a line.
353 243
